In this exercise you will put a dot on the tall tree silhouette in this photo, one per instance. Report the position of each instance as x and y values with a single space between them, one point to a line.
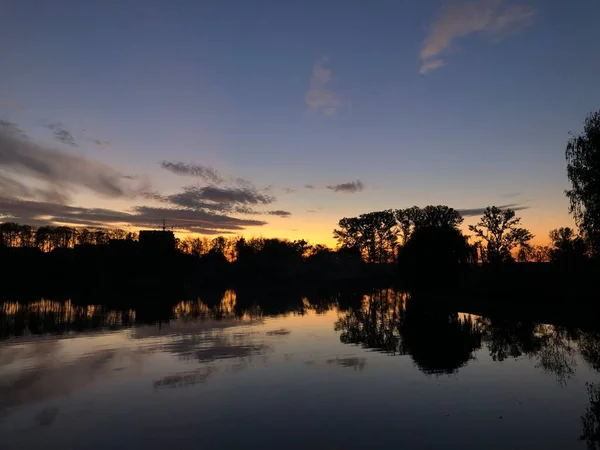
583 170
499 233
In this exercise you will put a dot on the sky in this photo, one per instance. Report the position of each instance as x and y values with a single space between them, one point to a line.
278 118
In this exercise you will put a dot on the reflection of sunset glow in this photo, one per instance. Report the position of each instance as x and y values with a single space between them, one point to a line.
226 309
66 312
190 309
10 308
466 317
385 299
228 302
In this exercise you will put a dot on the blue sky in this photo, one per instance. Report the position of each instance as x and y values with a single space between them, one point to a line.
434 102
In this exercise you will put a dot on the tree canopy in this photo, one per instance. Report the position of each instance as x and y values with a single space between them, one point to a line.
583 170
499 233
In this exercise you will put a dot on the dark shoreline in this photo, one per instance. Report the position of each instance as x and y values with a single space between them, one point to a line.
522 292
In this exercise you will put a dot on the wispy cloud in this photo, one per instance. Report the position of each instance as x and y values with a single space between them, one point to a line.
219 198
349 188
494 19
193 170
309 186
61 134
431 65
42 213
10 187
280 213
320 96
59 173
470 212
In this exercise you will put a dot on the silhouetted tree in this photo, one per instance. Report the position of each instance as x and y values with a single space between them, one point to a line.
583 170
413 218
534 253
434 256
567 249
374 234
499 232
15 235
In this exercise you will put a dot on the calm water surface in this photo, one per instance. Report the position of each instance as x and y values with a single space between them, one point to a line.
379 373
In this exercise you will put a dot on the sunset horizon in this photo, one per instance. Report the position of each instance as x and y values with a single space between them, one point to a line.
109 121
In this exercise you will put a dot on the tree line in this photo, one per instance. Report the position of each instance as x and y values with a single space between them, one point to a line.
434 232
378 238
412 236
48 238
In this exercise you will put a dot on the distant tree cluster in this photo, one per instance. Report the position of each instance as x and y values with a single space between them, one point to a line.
48 238
432 233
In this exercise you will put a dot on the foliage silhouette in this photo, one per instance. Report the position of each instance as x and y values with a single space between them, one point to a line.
437 340
499 233
567 249
414 218
372 233
583 170
434 255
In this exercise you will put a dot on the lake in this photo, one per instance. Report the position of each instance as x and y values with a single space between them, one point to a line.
378 370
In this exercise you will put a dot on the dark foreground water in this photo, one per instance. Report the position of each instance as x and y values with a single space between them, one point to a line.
379 372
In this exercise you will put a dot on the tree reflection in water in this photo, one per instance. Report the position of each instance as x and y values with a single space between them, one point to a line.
591 419
439 341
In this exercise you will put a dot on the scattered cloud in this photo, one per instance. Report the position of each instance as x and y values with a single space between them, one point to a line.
309 186
470 212
193 170
99 142
280 213
61 134
349 188
288 190
58 172
512 194
320 96
494 19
